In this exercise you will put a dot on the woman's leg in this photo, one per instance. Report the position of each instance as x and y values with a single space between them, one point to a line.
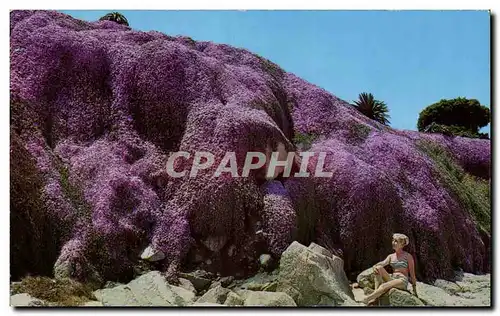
378 280
382 289
381 276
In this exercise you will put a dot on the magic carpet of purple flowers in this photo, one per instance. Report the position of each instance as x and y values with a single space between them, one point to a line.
111 103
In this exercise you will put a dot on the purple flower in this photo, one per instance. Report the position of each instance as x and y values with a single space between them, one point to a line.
109 105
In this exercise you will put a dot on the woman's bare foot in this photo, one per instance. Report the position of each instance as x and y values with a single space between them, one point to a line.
372 302
369 302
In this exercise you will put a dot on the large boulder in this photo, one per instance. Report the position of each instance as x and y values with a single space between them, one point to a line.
217 295
472 296
150 289
366 278
205 304
234 299
187 285
260 298
474 283
397 297
200 279
450 287
259 282
93 304
24 300
313 276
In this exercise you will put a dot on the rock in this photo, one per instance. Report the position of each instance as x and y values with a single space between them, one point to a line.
151 254
312 278
435 296
474 283
215 243
358 294
200 279
187 285
150 289
24 299
215 284
397 297
142 267
366 279
111 284
257 298
450 287
367 290
154 288
271 287
216 295
234 299
93 304
226 281
64 268
206 304
264 260
259 282
321 250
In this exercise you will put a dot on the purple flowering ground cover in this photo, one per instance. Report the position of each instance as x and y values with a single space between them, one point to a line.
98 107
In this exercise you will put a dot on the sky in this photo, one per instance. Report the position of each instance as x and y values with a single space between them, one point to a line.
408 59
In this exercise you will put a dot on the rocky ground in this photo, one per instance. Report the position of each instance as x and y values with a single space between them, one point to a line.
306 276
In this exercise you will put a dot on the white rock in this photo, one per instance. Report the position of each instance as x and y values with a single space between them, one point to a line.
264 259
151 254
258 298
24 299
93 304
150 289
312 276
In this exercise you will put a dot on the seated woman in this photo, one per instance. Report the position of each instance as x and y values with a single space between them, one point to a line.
402 264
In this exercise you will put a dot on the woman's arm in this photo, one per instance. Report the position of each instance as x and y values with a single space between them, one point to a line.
411 265
384 262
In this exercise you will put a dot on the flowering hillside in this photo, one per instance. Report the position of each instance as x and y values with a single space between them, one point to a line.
99 107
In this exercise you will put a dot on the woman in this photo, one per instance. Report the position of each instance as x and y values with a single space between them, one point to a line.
402 264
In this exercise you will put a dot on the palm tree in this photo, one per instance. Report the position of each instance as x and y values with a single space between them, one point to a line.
115 17
374 109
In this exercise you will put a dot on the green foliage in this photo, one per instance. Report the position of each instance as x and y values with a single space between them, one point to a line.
64 292
115 17
73 192
190 41
271 68
471 192
305 140
453 130
359 132
459 116
374 109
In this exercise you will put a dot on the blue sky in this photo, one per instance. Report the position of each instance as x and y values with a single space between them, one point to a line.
409 59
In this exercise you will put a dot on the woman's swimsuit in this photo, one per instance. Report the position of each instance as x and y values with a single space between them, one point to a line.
400 264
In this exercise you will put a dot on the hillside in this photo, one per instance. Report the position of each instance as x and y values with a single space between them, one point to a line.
96 108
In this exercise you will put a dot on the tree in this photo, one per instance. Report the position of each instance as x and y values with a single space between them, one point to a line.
115 17
372 108
459 117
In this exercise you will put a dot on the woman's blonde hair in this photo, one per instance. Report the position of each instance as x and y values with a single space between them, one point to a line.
403 239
